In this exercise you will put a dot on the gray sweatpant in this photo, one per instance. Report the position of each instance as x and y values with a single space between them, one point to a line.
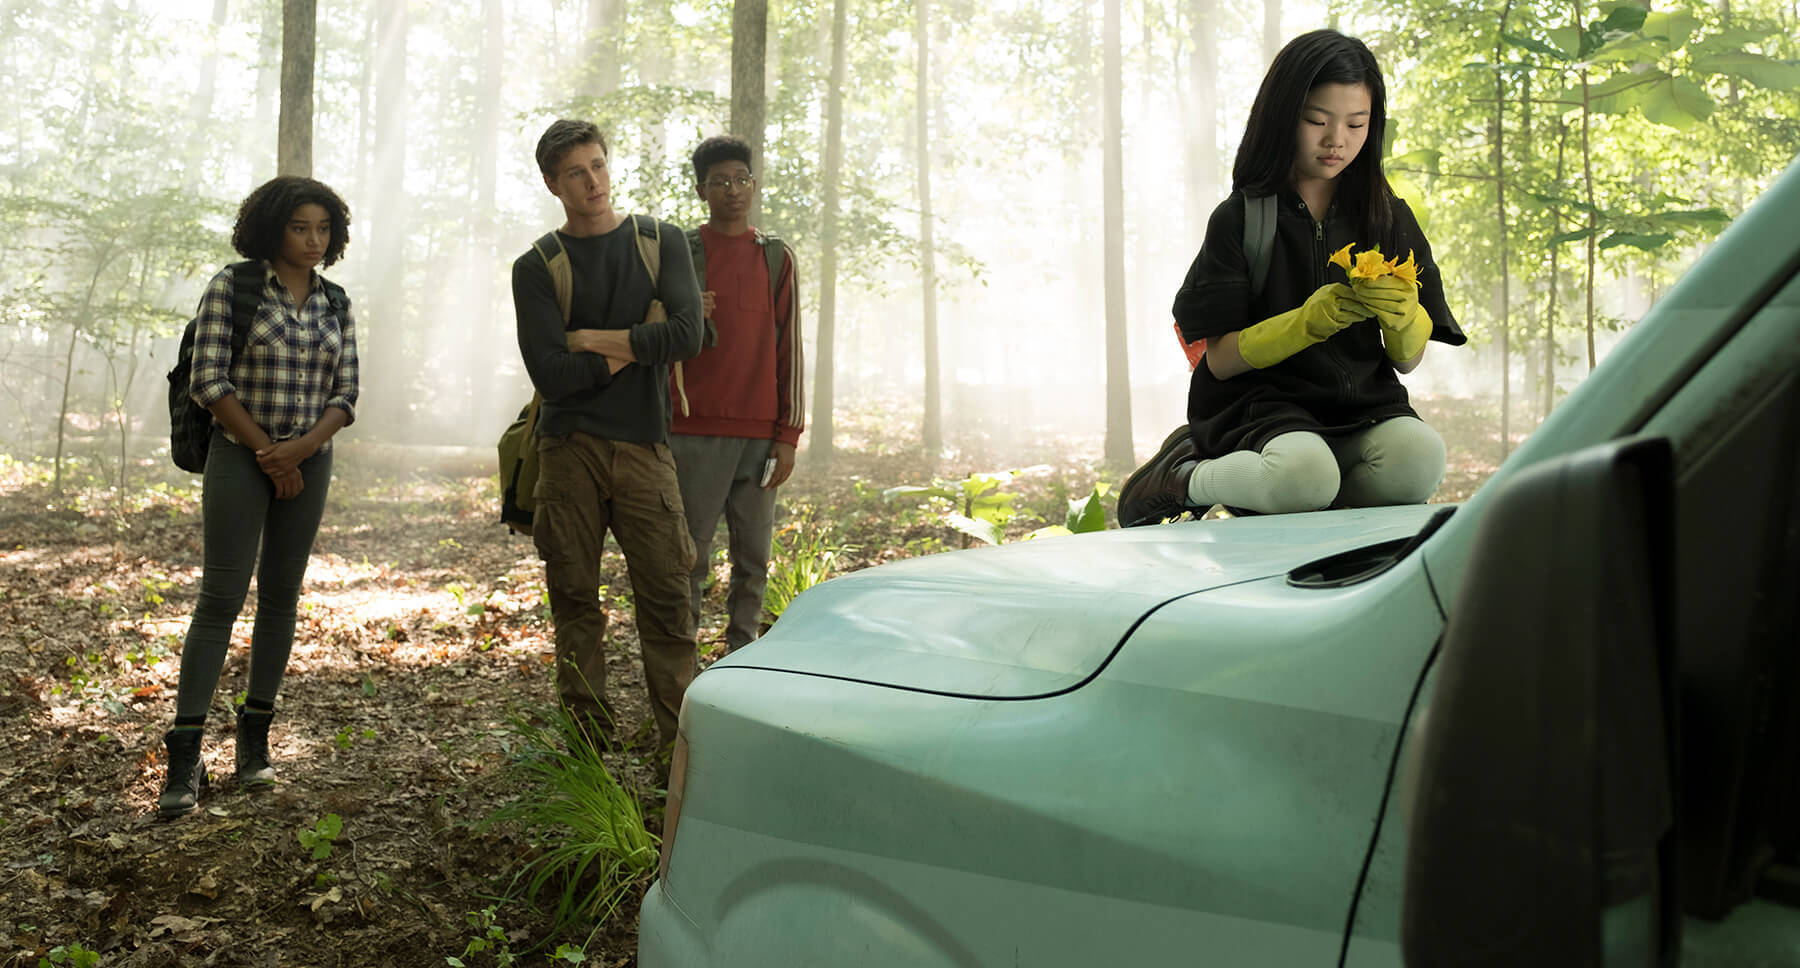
723 475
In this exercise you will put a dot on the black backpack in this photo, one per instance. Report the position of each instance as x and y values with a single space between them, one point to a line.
190 425
1259 243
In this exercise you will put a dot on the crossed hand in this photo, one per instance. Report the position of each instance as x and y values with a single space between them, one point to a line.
281 461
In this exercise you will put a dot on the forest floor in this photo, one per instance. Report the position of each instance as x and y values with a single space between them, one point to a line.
423 638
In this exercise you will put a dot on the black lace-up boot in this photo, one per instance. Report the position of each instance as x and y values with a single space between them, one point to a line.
186 782
253 769
1158 490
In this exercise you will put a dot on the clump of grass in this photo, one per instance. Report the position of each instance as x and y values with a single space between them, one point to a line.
595 847
802 554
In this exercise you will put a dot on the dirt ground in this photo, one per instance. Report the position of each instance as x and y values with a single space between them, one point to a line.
423 633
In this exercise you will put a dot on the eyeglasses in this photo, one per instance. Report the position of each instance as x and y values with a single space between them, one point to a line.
741 183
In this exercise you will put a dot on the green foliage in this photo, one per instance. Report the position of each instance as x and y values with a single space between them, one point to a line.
802 554
488 936
1636 134
978 509
1085 514
74 956
596 850
975 506
322 837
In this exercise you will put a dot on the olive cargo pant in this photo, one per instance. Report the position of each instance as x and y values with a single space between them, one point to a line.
587 484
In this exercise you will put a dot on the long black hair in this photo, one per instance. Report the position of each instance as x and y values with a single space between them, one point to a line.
1265 158
264 216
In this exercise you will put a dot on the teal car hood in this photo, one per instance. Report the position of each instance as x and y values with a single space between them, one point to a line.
1039 617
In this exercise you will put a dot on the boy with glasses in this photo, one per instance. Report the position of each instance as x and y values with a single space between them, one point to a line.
735 444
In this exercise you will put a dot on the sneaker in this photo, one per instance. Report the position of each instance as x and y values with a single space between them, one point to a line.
1158 490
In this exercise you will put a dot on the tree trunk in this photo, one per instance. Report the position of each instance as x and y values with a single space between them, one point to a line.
487 138
934 418
1081 63
62 413
1555 300
822 443
294 137
600 72
268 62
1505 294
1271 40
123 408
1533 362
499 322
383 327
749 105
201 112
1587 167
1202 120
1118 448
365 118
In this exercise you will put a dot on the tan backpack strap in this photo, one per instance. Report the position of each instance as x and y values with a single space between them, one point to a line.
650 250
562 278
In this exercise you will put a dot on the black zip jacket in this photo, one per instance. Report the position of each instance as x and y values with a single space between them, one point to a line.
1342 385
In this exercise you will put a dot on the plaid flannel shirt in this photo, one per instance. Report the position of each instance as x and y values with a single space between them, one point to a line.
296 361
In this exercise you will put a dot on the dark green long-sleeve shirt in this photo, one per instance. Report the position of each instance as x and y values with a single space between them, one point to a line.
612 290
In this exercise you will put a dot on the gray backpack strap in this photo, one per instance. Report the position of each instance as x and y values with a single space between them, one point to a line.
1259 239
697 252
775 254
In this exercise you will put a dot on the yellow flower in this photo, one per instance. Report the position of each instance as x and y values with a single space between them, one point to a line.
1341 258
1370 265
1408 270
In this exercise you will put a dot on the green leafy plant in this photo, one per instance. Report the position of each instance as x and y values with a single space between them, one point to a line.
322 837
596 848
1085 514
489 936
73 955
979 509
802 554
154 586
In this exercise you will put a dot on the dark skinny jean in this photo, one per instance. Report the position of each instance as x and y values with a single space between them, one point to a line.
239 510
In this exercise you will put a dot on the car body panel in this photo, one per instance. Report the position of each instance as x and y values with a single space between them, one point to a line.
1039 617
1194 783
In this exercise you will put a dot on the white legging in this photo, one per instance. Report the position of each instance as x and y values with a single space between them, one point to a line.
1397 461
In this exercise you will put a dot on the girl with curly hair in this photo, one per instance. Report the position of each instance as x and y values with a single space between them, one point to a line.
280 381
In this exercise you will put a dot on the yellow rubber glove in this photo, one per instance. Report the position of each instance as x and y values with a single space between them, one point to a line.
1405 326
1329 309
